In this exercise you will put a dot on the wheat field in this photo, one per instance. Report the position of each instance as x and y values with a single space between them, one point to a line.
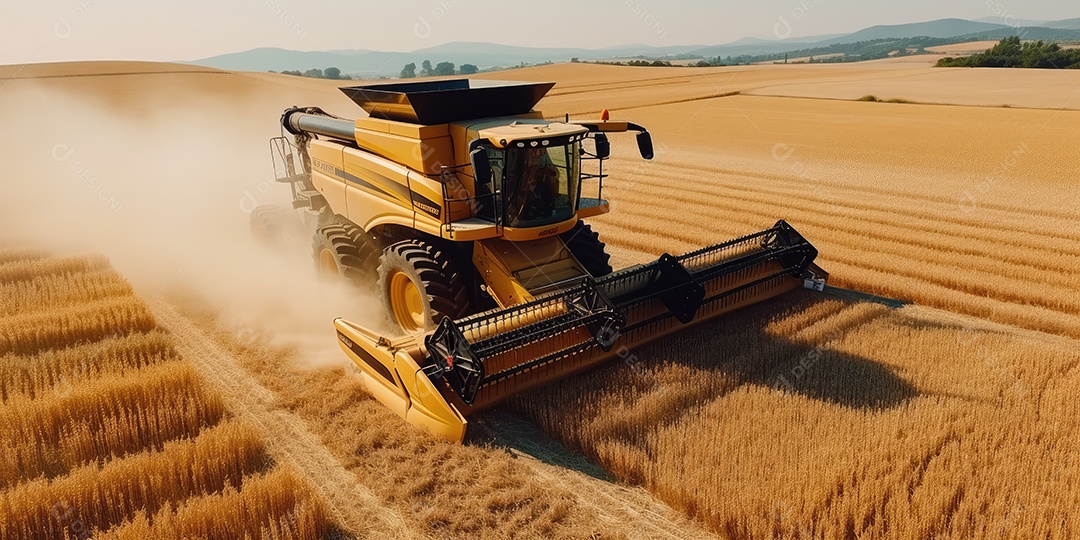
826 417
106 432
811 416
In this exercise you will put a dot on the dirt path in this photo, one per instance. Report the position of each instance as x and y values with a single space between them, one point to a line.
613 503
287 435
360 510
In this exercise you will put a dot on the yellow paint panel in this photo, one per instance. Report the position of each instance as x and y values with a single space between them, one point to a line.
326 157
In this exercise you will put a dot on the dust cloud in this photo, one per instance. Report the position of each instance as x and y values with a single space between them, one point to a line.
163 187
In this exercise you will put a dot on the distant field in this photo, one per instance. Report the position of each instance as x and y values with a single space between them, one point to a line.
963 49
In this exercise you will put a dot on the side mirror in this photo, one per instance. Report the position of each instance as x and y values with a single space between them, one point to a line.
481 166
603 146
644 144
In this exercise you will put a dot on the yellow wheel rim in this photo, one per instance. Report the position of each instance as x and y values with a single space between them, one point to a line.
327 264
407 303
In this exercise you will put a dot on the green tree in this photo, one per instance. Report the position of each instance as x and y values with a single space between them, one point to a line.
332 73
468 69
425 69
409 71
316 73
444 68
1011 52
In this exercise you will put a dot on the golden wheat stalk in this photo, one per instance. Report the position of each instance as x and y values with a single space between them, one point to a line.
275 505
103 418
58 372
65 326
30 269
20 255
53 290
96 498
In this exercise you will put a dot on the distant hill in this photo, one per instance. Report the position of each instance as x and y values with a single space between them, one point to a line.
998 19
371 64
941 28
1067 24
1026 32
376 63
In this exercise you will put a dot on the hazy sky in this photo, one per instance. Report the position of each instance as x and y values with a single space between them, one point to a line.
51 30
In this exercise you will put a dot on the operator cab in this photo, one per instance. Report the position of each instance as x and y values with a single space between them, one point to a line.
534 167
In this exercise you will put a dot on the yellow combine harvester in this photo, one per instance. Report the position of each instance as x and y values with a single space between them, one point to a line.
466 207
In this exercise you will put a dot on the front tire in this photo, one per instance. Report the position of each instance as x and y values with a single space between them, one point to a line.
419 284
584 243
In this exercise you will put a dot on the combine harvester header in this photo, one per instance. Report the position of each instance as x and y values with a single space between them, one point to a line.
555 308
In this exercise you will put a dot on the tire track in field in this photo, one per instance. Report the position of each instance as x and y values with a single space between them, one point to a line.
1049 270
645 83
848 249
711 173
891 193
890 207
287 436
710 198
881 281
612 503
691 184
1051 276
617 86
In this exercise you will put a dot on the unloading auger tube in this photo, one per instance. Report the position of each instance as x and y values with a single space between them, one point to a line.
300 121
435 380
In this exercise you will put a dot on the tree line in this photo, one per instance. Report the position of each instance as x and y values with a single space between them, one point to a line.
1010 52
328 73
441 69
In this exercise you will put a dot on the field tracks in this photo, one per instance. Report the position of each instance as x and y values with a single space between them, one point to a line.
287 436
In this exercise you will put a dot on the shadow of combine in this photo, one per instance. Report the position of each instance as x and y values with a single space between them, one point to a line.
748 352
682 373
520 437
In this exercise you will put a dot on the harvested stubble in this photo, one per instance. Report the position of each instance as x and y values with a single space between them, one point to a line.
94 499
274 506
101 419
819 419
59 371
1014 265
53 290
64 326
466 491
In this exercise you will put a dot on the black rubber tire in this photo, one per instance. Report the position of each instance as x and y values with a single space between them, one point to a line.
354 252
584 243
272 224
444 290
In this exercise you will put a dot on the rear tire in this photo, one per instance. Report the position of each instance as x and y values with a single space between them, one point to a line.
272 224
584 243
346 251
419 284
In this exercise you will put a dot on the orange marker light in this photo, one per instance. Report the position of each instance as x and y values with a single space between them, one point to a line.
604 115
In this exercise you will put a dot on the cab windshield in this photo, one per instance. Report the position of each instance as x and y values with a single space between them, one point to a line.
541 184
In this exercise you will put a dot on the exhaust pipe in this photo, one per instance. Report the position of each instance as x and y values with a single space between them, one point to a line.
299 120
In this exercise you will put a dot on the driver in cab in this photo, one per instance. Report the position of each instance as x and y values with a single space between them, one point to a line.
540 186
